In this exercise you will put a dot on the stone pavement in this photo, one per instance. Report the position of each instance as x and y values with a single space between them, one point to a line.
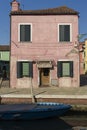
50 92
53 91
77 95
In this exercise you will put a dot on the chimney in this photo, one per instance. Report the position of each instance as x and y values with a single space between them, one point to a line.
15 5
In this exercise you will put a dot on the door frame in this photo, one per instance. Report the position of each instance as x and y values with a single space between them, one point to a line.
40 77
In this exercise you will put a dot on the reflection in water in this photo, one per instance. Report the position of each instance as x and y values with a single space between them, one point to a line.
76 120
79 128
47 124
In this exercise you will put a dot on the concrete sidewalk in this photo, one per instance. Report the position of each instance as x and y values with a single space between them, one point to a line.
45 92
77 97
52 91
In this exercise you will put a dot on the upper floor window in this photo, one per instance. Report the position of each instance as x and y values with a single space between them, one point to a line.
64 32
25 33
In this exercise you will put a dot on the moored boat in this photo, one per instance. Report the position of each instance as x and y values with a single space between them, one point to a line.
32 111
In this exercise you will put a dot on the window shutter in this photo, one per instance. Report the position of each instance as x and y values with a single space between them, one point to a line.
31 69
19 69
61 33
22 33
59 69
71 68
27 32
67 33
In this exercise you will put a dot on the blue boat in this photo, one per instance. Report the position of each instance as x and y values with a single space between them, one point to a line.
32 111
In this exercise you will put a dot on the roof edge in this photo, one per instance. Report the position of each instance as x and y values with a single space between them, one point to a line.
62 10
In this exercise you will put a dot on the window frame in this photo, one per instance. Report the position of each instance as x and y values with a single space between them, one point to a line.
60 68
70 32
30 24
20 69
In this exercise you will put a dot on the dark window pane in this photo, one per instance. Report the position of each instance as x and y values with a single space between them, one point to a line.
64 32
46 72
67 33
25 33
61 32
22 33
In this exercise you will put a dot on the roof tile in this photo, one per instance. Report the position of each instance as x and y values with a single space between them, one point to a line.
63 10
4 47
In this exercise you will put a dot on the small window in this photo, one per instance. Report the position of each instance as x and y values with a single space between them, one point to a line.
24 69
25 33
65 69
46 71
64 33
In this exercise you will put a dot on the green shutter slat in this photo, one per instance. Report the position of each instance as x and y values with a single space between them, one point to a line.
59 69
25 68
19 70
31 69
71 68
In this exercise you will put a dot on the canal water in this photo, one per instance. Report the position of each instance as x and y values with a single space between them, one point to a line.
63 123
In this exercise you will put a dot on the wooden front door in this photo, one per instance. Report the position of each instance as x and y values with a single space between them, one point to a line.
44 76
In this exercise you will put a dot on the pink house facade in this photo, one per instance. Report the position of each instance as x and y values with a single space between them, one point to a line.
43 49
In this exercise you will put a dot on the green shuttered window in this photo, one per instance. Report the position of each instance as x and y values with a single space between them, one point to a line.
24 69
65 68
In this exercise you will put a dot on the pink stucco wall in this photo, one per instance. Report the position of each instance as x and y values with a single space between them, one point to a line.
44 46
